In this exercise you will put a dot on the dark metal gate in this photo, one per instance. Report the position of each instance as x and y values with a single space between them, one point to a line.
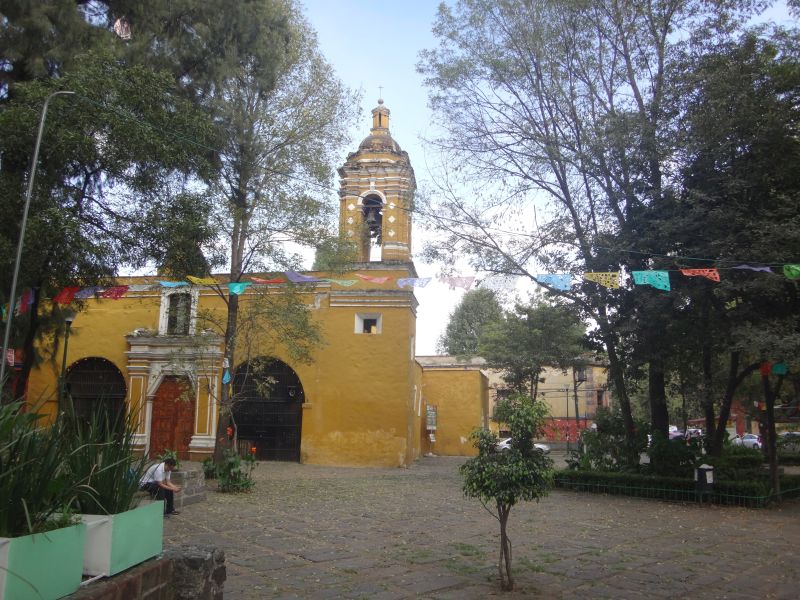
96 385
268 399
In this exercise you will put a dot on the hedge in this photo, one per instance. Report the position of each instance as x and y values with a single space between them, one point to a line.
751 493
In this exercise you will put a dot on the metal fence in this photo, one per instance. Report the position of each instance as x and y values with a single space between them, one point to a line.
668 493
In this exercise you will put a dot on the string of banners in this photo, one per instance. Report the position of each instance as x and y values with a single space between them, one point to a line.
500 283
70 293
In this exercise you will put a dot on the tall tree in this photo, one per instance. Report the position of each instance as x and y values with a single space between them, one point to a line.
561 104
280 130
477 309
739 203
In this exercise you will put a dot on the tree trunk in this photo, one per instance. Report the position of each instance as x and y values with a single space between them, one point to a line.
616 370
772 450
504 566
29 350
659 414
734 380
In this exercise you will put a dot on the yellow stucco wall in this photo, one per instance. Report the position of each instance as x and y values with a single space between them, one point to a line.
462 401
362 407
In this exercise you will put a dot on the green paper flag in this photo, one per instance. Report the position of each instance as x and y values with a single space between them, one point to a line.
792 271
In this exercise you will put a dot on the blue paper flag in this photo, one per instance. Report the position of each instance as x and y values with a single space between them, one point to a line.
559 281
226 378
238 287
657 279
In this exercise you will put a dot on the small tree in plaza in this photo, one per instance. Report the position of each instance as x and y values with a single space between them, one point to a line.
505 477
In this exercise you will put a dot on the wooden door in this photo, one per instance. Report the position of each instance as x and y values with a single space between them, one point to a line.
172 423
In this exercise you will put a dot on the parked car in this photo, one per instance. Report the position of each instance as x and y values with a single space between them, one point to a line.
748 440
505 444
789 440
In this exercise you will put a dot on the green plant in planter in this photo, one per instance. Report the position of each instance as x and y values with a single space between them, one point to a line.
102 459
235 473
37 492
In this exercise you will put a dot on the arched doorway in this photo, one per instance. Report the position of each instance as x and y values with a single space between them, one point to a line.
96 384
172 417
268 399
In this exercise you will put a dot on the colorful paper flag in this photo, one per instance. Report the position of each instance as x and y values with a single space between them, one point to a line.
608 279
342 282
657 279
372 279
24 302
413 282
115 293
66 295
711 274
238 287
261 281
87 293
226 378
173 284
455 282
140 287
792 271
295 277
753 268
559 281
500 283
202 280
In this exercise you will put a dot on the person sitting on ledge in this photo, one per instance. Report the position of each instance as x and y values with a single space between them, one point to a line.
156 482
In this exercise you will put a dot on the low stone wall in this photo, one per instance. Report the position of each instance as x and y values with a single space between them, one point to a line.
193 485
198 573
180 573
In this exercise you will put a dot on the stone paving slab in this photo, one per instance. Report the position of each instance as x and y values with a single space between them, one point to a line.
326 532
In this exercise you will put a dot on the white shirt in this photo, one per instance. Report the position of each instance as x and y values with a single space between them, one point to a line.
155 473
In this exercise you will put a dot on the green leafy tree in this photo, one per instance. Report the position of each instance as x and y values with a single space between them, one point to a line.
531 338
477 309
560 107
504 478
280 129
101 175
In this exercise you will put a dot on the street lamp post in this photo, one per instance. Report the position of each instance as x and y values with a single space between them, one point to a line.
566 390
31 177
69 317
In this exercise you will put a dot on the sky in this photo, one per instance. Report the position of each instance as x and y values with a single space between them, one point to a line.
376 44
374 47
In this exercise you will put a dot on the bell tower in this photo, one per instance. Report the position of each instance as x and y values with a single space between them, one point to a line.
376 195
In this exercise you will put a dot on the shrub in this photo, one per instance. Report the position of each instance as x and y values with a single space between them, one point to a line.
606 447
209 468
36 492
671 458
235 473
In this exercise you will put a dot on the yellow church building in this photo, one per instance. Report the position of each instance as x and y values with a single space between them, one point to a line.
364 400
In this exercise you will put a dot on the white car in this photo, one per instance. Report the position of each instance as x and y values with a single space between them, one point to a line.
505 444
748 440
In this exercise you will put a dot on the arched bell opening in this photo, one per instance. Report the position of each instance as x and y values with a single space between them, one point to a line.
96 388
372 235
267 409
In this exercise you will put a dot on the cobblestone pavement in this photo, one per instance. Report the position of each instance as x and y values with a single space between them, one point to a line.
322 532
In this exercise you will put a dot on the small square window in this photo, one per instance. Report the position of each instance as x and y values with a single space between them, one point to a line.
369 323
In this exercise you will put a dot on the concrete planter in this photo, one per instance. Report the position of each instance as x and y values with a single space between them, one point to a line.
117 542
43 566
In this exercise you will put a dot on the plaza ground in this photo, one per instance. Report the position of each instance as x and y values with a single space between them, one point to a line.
321 532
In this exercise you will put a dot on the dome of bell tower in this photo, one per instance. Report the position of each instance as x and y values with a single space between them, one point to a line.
379 138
